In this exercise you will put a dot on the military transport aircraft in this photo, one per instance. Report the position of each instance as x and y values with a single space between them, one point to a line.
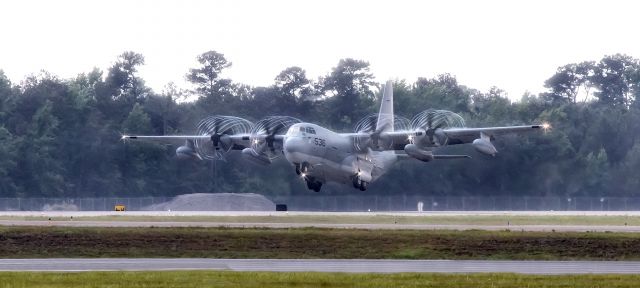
320 155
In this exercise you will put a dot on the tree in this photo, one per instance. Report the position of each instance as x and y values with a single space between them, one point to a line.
206 78
142 161
443 92
163 109
597 172
293 83
349 88
137 122
566 83
615 78
7 163
5 95
41 172
293 92
122 78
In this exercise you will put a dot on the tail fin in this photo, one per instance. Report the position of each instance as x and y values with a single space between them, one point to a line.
385 116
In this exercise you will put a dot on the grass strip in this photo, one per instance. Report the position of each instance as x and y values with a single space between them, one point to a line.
309 243
271 279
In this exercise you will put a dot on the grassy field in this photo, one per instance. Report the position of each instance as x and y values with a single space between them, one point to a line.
370 219
43 242
266 279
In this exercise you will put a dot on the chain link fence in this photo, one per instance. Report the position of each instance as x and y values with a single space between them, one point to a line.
350 203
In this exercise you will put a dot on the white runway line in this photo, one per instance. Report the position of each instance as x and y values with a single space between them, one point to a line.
323 265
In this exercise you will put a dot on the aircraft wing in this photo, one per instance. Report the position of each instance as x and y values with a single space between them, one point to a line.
164 137
396 140
236 141
467 135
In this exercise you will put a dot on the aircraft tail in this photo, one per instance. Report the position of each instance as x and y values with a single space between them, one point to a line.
385 116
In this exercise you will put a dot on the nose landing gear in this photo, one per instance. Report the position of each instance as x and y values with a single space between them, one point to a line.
312 183
302 168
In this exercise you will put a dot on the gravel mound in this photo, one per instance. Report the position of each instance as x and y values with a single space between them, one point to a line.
216 202
60 207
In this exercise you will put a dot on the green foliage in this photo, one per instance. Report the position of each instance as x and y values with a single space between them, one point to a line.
137 122
348 88
59 137
7 162
232 279
206 77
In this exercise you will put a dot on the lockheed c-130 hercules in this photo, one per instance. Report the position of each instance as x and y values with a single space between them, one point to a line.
320 155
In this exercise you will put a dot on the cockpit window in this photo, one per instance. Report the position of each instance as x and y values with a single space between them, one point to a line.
300 131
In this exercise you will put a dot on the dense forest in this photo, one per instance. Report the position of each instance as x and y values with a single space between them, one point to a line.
61 137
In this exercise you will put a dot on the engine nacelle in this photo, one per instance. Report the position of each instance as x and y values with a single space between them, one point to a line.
187 151
484 146
415 152
252 156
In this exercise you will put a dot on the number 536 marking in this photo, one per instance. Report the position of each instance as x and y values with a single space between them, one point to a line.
319 142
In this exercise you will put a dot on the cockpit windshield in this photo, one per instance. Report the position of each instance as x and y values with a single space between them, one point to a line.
300 131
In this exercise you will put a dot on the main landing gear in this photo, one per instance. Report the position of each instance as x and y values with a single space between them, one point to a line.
359 184
312 184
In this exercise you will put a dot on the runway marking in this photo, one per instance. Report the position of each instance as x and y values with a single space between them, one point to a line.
323 265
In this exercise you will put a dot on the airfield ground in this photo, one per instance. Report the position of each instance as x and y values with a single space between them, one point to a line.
270 279
394 235
560 218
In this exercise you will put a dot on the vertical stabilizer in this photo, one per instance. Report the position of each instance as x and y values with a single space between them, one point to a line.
385 116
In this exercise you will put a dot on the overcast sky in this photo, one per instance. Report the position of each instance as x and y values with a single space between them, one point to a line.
515 45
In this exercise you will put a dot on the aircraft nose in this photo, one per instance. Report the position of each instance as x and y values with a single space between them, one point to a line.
292 144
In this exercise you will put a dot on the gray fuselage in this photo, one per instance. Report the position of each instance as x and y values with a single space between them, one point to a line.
332 157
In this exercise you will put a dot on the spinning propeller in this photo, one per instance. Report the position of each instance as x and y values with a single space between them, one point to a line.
433 122
264 134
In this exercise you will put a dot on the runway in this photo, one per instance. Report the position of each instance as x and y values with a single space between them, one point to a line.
311 213
322 265
461 227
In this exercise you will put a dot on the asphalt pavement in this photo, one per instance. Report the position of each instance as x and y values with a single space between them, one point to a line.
322 265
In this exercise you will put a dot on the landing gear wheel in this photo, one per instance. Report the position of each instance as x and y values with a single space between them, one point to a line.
317 186
314 185
297 169
304 167
363 186
356 182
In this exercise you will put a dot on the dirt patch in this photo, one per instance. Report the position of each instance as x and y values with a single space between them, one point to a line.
17 242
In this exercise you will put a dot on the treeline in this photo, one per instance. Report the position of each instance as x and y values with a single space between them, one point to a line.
60 137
